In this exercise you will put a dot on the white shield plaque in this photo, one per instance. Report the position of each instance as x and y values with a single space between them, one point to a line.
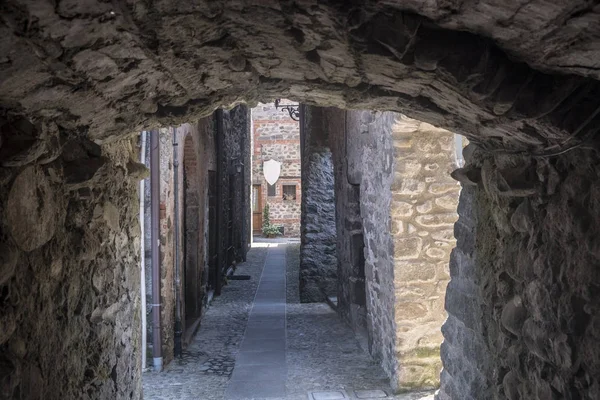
271 170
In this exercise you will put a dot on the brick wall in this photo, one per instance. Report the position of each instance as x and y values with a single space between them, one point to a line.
277 137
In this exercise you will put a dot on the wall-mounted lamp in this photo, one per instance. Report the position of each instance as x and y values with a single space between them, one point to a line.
292 109
236 165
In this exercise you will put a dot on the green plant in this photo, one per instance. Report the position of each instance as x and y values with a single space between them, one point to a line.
268 230
266 216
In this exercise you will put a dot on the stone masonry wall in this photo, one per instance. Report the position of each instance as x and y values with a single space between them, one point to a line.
277 137
69 266
202 149
373 171
393 191
236 185
424 203
347 134
523 305
318 263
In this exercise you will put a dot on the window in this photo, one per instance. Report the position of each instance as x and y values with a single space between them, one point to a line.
270 190
289 192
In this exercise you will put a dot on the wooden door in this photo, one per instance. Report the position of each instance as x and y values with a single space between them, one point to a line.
257 208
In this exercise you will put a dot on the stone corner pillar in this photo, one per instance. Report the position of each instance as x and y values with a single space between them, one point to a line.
423 212
318 277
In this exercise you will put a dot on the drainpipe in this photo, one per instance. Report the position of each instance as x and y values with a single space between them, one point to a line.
219 228
143 254
176 250
155 245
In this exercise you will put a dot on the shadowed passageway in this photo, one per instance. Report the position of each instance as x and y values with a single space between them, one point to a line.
260 342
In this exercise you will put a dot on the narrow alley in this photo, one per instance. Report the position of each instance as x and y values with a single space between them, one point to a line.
259 342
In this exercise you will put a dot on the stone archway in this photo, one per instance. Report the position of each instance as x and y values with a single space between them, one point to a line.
519 81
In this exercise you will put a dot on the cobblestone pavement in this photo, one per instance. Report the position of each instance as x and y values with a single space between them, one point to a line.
207 363
323 356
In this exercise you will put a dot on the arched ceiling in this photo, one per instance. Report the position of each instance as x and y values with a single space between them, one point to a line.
511 73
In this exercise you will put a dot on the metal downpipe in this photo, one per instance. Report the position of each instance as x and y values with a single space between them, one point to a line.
178 327
143 253
155 246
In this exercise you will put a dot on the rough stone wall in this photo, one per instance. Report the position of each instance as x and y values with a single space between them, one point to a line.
423 212
394 196
349 225
522 301
167 219
277 137
318 263
202 150
110 69
69 266
236 144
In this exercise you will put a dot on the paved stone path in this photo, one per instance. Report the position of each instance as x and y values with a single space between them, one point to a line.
253 344
260 366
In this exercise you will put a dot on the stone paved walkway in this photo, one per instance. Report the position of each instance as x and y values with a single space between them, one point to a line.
253 344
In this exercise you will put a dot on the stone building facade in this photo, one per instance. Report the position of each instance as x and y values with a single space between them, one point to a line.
276 136
390 172
521 82
211 222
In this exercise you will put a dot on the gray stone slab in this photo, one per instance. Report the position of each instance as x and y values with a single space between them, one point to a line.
266 323
243 390
370 394
259 373
269 299
259 325
328 395
266 318
263 345
274 358
265 309
265 333
270 292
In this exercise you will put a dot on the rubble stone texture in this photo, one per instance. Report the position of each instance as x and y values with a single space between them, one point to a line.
318 262
277 137
522 300
423 213
394 172
77 78
235 185
116 68
347 131
69 275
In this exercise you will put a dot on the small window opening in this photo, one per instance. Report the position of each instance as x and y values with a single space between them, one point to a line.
289 192
271 190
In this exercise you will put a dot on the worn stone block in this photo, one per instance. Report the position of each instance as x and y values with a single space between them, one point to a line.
407 248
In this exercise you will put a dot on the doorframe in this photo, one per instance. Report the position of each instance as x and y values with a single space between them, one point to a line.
256 229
